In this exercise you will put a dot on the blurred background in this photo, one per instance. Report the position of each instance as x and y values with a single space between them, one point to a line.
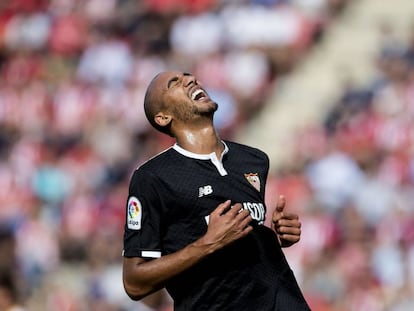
325 87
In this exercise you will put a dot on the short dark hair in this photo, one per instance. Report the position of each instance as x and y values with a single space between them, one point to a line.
152 106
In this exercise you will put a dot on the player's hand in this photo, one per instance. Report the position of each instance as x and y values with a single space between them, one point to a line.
286 225
227 223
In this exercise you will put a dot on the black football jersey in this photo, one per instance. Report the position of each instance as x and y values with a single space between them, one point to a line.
170 199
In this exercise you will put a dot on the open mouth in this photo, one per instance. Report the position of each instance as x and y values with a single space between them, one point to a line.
198 94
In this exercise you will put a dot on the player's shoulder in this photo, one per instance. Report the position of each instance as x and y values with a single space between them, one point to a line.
158 161
238 147
151 170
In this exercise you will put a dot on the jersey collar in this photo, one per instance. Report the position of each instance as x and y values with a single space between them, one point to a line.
210 156
199 156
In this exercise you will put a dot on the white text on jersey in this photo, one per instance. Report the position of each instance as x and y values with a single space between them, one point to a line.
257 211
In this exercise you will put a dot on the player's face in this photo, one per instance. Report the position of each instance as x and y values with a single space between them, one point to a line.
185 97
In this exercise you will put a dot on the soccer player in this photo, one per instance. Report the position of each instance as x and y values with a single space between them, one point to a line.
196 212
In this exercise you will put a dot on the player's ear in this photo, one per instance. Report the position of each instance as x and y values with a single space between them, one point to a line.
162 119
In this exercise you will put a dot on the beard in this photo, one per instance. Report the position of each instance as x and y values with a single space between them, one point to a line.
188 114
205 110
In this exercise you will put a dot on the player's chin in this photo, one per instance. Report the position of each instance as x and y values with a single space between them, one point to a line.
213 104
207 107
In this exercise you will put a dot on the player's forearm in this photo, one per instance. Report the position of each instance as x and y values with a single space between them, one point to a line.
142 278
226 225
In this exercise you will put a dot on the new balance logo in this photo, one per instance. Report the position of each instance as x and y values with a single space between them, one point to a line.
206 190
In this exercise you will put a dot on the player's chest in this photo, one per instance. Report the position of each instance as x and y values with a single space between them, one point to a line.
197 192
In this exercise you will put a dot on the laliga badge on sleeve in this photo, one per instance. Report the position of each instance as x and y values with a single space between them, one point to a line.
134 213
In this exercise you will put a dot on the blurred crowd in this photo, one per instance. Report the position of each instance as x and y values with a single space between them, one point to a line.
72 79
352 180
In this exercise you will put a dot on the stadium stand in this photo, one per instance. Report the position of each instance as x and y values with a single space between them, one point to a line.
324 86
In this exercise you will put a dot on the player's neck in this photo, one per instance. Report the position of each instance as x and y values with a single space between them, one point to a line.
201 141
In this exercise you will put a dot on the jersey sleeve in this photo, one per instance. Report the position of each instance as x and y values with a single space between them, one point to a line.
143 217
265 173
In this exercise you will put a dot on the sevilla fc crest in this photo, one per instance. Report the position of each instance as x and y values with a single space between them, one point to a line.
253 179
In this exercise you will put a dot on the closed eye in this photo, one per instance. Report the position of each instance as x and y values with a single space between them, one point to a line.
171 82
